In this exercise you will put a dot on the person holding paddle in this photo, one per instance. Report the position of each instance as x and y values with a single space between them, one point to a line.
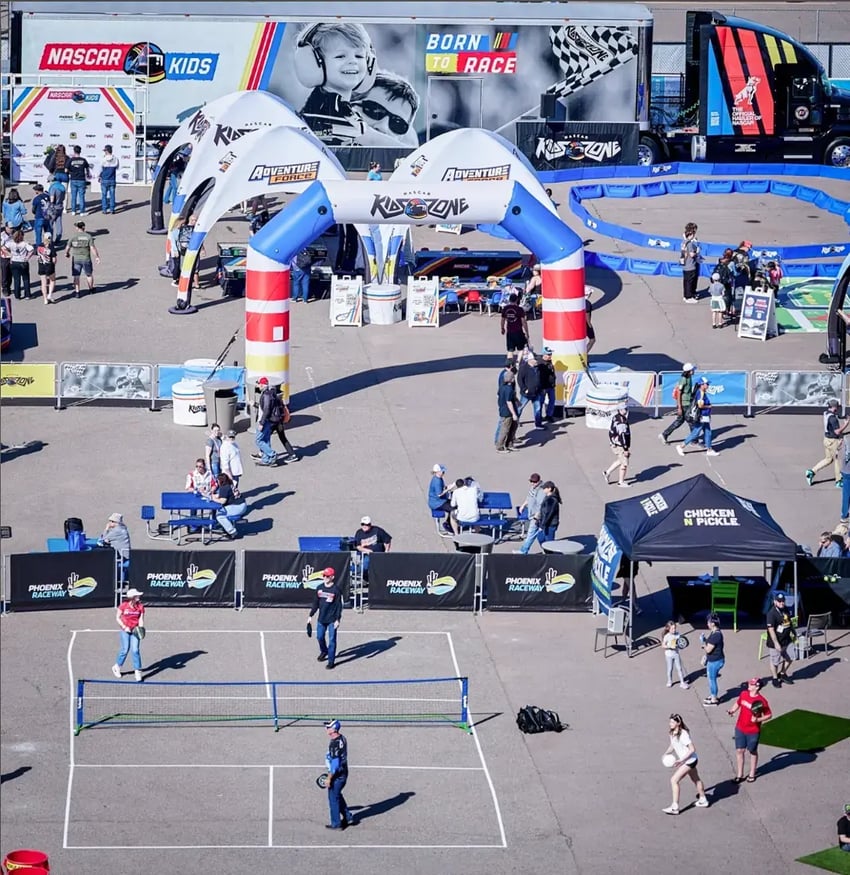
131 619
336 760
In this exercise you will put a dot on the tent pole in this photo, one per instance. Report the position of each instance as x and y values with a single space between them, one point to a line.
631 607
796 593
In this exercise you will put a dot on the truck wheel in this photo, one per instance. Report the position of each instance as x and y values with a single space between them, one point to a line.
648 152
838 153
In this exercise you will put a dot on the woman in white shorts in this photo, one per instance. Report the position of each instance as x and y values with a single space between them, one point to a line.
682 748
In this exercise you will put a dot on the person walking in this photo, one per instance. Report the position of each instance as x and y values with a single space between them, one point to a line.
532 507
41 221
620 436
269 415
549 514
514 326
79 250
508 414
280 431
682 747
528 380
548 382
780 634
702 422
232 505
46 255
672 657
20 253
231 458
753 710
327 602
79 173
56 207
131 620
212 450
336 761
108 176
690 258
833 430
683 395
713 657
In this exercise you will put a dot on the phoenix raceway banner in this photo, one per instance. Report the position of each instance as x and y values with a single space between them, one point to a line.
553 145
346 301
289 580
182 578
540 582
727 388
62 581
45 116
423 303
418 581
94 380
603 573
795 388
410 82
27 381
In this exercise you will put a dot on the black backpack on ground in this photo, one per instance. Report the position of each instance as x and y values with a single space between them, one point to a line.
532 719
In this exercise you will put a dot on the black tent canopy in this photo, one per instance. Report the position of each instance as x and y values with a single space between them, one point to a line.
695 520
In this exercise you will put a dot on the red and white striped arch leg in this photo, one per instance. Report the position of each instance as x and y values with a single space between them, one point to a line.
267 320
564 322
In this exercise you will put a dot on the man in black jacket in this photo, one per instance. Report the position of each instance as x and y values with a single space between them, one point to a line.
528 378
548 381
269 414
327 601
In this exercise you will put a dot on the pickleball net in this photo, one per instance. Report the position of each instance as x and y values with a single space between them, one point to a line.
102 703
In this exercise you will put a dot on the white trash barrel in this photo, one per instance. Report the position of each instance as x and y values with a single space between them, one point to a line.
381 304
602 403
198 369
190 407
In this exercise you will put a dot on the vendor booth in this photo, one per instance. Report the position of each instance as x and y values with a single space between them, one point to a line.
695 520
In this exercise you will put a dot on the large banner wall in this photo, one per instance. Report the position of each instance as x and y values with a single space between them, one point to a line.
550 583
288 580
62 581
422 580
183 578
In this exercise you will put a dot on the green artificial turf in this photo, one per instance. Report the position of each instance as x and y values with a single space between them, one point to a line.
832 859
805 730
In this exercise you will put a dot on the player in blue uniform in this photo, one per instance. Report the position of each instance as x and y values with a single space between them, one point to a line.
337 763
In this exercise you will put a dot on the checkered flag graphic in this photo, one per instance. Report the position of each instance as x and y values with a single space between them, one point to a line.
587 53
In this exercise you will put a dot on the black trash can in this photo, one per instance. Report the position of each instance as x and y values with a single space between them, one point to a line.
221 400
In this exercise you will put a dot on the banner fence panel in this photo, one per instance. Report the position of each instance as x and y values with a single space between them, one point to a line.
184 578
541 582
422 581
62 581
274 578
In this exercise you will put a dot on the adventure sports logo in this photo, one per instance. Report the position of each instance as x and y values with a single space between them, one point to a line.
195 578
144 61
477 174
76 588
434 584
711 516
280 174
418 208
577 150
471 52
550 582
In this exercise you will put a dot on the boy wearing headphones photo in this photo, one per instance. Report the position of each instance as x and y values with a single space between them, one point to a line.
335 60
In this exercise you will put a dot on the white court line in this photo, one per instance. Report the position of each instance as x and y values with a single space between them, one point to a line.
480 752
265 664
269 632
71 725
267 766
275 847
271 806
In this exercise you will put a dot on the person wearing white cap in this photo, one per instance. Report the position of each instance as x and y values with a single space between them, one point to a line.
369 539
702 423
683 395
116 535
439 499
131 619
231 458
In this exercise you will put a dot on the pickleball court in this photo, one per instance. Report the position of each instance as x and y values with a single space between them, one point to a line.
220 784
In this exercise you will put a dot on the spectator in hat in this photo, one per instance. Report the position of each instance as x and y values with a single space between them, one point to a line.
269 414
130 616
532 503
780 634
327 602
231 458
702 425
844 829
439 498
753 710
548 381
79 250
833 431
683 395
116 535
369 539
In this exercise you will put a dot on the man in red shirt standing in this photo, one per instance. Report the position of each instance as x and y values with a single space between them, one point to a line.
753 710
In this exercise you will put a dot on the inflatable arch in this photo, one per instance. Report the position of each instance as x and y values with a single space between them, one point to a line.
505 203
836 327
444 159
268 161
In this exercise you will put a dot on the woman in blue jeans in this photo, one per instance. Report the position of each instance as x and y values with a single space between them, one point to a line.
233 506
712 645
550 513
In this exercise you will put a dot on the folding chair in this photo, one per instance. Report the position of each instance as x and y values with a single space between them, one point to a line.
724 599
452 300
163 532
817 625
473 299
618 624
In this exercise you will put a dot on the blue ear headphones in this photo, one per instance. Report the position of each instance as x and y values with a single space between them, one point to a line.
310 65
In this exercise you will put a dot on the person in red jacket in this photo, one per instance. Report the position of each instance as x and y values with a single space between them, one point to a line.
753 710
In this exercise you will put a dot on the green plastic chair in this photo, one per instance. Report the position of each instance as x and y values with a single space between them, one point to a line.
724 599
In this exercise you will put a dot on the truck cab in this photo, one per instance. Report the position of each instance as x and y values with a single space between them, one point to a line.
759 96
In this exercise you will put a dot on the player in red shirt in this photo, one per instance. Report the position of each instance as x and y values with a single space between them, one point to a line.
130 617
753 710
